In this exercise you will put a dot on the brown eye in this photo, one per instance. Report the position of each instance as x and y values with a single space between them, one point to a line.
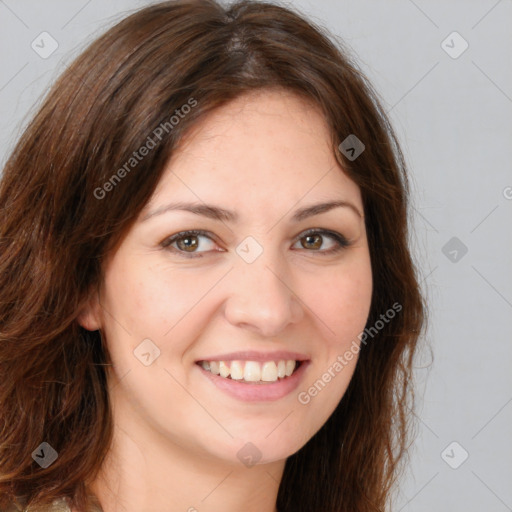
314 239
188 243
312 242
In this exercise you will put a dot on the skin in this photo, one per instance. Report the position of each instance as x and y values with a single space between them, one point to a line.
176 435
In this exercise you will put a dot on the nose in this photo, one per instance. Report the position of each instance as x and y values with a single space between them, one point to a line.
262 298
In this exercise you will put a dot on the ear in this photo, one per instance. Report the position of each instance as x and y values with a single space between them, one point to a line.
89 317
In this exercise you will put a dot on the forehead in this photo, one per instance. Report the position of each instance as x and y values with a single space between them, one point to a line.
263 146
266 115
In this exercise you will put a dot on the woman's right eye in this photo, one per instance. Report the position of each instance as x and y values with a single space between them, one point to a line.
186 242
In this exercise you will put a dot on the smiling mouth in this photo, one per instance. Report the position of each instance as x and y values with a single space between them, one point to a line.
252 372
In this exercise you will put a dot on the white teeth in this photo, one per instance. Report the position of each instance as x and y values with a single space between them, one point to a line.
281 369
251 371
237 372
269 372
224 369
214 367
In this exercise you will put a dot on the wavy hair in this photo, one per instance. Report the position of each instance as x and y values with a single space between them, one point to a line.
56 230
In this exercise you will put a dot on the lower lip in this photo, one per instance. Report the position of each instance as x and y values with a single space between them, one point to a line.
261 391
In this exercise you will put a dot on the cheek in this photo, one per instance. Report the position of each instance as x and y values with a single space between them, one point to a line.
152 299
341 302
342 305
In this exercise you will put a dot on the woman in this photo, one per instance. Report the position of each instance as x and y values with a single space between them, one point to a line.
206 295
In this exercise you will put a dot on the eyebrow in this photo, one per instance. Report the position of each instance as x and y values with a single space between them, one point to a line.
217 213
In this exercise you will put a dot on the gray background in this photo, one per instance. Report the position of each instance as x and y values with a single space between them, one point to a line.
453 116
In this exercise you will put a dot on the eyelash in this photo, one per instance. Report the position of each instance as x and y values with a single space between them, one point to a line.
342 242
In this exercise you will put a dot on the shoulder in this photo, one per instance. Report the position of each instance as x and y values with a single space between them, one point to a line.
58 505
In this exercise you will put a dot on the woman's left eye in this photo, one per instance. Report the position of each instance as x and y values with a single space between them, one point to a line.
185 243
313 239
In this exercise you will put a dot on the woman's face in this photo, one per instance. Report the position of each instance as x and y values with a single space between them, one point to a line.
251 294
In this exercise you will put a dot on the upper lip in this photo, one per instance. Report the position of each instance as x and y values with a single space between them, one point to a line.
252 355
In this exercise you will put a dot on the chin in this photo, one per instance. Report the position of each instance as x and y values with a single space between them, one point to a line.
266 448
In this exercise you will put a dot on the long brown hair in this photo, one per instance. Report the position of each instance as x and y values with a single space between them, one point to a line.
63 211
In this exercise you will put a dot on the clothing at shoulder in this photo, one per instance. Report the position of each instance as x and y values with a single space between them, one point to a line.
58 505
